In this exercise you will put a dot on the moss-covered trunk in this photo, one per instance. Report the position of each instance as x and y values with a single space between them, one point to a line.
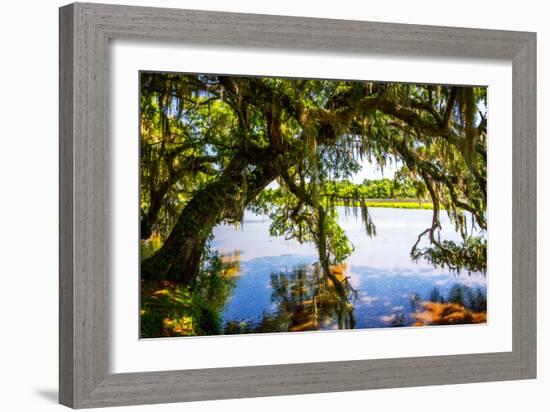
179 257
226 198
151 215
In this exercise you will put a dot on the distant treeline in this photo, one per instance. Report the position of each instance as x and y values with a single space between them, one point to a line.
378 189
370 193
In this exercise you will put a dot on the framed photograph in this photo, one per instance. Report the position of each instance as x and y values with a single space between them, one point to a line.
257 205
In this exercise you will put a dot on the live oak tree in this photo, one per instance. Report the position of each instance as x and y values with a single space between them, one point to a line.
212 144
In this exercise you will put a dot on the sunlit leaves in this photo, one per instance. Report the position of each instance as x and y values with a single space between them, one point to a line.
469 255
317 133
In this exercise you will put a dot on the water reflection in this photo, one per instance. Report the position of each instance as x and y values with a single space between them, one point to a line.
302 299
279 288
463 305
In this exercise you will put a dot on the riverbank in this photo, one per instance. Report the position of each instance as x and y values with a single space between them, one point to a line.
397 204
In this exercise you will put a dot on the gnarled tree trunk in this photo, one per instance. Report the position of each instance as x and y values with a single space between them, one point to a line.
179 257
149 217
226 198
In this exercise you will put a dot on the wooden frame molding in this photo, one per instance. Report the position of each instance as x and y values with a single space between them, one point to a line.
85 31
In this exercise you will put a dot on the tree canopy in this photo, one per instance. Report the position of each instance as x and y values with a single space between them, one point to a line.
210 146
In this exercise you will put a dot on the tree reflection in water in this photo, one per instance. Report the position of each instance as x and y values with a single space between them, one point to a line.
304 300
463 305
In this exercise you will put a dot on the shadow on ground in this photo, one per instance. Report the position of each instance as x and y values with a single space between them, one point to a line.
51 395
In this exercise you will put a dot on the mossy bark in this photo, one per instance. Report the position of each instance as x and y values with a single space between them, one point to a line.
179 257
224 199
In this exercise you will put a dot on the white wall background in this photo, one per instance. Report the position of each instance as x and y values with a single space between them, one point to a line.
28 204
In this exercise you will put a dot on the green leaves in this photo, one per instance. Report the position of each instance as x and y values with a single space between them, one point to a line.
469 255
312 137
339 246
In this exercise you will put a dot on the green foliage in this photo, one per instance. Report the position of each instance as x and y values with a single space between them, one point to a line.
406 204
338 244
169 309
470 255
220 140
185 131
390 189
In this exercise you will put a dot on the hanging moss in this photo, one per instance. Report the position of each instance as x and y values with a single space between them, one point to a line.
210 145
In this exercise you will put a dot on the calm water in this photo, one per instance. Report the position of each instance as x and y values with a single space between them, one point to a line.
278 289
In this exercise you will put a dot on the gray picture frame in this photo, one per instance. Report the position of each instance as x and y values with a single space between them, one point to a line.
85 32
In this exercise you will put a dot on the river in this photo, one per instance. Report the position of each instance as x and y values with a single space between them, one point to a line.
276 288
